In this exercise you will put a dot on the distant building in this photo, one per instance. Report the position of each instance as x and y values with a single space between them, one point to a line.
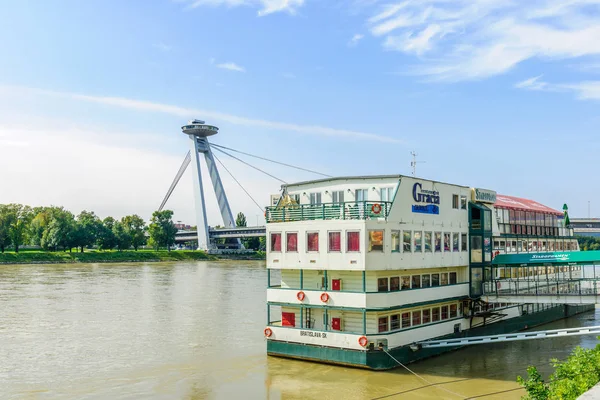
183 227
586 226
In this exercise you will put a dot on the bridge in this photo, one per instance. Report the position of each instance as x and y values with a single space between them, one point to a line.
222 233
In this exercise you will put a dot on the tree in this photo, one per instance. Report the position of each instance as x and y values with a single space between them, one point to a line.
39 223
240 220
106 239
5 223
20 217
162 230
122 237
87 229
60 231
135 226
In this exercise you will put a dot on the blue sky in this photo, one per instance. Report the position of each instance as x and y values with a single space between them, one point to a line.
490 93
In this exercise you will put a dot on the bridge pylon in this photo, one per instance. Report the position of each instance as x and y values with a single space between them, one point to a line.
198 132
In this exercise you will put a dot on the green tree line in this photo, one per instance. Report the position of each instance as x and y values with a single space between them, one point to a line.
588 242
54 228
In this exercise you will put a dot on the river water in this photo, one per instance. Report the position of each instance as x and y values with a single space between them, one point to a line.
194 331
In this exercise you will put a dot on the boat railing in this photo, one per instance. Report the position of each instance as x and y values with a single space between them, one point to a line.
329 211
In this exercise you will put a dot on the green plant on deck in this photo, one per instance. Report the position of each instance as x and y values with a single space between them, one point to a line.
571 378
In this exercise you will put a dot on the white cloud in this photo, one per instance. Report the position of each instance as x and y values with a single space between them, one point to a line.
355 39
266 6
231 67
184 112
288 75
586 90
475 39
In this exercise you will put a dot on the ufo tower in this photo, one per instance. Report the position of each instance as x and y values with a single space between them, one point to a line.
198 132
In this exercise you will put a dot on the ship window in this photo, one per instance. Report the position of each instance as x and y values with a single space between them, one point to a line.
463 242
352 241
337 197
394 283
476 249
435 280
418 242
444 278
387 194
361 195
382 284
425 280
405 282
383 324
438 241
463 202
275 241
455 242
406 320
315 199
435 314
335 241
428 242
292 242
446 241
312 241
444 312
394 322
453 278
395 241
406 235
453 311
416 281
426 316
416 317
375 240
455 201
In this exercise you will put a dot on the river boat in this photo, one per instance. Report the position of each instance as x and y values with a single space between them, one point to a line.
362 268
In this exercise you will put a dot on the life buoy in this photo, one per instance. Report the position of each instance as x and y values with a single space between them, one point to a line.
300 295
363 341
324 297
268 332
376 208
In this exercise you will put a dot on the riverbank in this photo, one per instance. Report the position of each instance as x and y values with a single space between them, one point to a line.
92 256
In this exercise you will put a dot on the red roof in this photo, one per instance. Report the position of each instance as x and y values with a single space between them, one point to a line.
517 203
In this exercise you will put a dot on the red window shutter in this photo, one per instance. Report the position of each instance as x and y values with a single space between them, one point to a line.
336 284
288 319
353 239
336 324
335 241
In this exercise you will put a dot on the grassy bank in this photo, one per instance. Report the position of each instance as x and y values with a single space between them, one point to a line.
90 256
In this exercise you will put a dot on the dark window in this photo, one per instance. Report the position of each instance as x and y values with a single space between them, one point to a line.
416 281
383 324
395 322
444 312
435 314
416 317
452 278
435 279
455 201
425 281
394 283
453 311
382 284
406 320
275 241
426 316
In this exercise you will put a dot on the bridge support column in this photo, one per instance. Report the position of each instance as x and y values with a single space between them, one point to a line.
201 222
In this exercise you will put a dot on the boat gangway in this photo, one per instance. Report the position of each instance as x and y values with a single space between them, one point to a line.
570 277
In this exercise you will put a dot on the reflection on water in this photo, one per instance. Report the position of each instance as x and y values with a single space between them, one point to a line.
194 331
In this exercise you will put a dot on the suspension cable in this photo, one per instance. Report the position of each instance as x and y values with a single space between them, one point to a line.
273 161
236 181
182 168
250 165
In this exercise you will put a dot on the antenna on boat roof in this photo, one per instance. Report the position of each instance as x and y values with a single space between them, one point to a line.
414 162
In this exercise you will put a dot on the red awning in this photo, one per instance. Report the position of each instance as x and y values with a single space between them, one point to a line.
517 203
